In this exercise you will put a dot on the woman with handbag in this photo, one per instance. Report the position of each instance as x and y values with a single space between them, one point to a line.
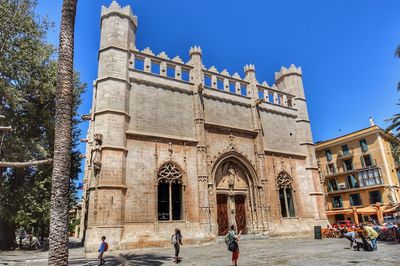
233 244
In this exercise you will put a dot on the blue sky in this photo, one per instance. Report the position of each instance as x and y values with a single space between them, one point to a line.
345 48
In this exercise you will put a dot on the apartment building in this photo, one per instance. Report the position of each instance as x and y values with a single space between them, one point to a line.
360 175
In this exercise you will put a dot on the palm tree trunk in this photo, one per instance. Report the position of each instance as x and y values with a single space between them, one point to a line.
58 252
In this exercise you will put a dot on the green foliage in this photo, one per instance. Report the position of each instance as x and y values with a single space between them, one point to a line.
28 71
395 123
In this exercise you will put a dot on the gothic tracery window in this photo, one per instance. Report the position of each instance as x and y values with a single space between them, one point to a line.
284 185
169 192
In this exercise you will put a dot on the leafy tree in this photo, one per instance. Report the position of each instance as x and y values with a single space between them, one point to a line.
395 122
58 252
28 70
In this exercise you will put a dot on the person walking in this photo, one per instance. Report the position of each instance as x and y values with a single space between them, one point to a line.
103 248
21 235
233 245
372 235
176 241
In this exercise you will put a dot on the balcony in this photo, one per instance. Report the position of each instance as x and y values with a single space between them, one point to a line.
345 154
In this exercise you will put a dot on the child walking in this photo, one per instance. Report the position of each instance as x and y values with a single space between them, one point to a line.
103 248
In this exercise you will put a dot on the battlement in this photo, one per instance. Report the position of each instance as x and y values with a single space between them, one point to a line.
162 65
249 67
292 70
195 50
115 8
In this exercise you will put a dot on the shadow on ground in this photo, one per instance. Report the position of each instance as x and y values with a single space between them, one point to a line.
126 259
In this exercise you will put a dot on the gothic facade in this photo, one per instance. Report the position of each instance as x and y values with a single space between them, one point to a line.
175 144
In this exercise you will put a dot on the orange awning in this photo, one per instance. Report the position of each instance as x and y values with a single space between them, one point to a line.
366 210
391 209
346 211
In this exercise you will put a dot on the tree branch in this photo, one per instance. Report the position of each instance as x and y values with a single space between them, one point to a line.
25 164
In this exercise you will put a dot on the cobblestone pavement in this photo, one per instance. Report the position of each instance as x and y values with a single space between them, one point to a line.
273 251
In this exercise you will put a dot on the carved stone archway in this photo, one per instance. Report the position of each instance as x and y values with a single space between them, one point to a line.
236 194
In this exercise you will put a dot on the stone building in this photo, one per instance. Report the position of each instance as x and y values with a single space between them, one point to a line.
360 174
174 144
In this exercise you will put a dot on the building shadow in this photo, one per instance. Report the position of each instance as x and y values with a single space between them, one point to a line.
125 259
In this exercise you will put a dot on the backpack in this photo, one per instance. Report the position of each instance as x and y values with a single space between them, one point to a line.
105 246
227 239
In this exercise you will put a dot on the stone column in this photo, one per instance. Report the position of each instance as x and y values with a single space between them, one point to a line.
201 155
111 119
260 182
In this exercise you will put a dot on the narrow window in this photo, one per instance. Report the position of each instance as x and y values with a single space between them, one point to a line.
280 99
185 74
352 181
367 160
284 183
243 90
261 94
232 87
207 81
328 154
348 165
271 97
355 199
155 67
289 102
332 185
332 168
170 71
169 193
139 64
337 202
345 149
375 196
220 84
363 145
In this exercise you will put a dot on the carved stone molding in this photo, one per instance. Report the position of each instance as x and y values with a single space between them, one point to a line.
202 178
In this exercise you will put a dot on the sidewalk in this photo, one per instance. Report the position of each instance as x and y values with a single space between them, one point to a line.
273 251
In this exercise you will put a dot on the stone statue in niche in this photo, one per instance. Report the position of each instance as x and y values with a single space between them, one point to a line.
95 156
232 176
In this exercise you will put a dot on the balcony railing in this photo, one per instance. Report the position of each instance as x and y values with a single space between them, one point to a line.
345 154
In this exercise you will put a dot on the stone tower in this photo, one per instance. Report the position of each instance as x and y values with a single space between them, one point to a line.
111 113
290 80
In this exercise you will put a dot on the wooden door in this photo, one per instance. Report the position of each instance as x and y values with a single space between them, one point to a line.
240 213
222 214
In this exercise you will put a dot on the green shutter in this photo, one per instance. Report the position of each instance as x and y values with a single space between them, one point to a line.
351 200
363 145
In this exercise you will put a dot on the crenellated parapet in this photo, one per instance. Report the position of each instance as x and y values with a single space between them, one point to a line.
195 50
292 70
162 65
115 8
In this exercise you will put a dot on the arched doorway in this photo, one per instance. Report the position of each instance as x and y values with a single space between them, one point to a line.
235 195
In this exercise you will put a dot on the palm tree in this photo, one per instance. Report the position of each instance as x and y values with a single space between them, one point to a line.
58 252
395 122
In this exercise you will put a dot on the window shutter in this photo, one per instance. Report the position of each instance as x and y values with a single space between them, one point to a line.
351 200
363 145
362 161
